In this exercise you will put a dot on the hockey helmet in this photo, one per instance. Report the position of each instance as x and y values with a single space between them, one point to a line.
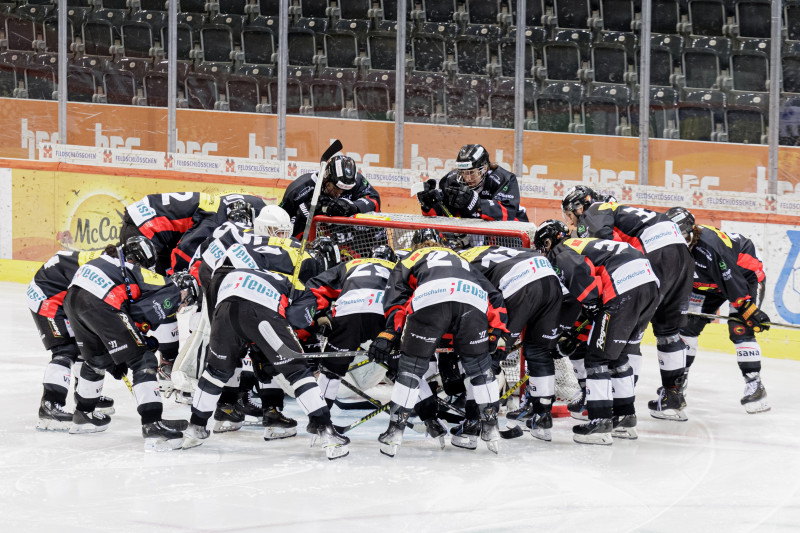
273 221
471 164
579 196
186 282
340 171
548 234
384 251
240 212
325 252
424 235
140 250
685 221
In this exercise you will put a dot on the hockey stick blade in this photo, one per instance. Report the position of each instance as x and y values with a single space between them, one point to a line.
336 146
275 342
512 433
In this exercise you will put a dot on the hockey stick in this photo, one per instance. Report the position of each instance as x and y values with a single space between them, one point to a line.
275 342
737 319
332 149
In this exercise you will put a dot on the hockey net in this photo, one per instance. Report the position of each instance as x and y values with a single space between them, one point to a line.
357 236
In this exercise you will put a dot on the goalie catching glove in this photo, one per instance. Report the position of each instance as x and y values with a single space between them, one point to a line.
461 197
339 207
754 317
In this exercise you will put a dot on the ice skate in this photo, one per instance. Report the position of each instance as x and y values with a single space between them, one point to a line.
227 417
194 436
249 404
393 436
541 425
577 406
490 434
277 426
88 422
53 417
178 425
624 427
669 405
597 431
465 435
754 400
159 438
437 430
105 405
333 442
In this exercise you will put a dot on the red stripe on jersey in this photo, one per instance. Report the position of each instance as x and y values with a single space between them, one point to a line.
283 305
412 281
325 295
633 241
495 318
429 213
155 225
179 253
607 285
119 295
182 225
50 307
377 207
749 262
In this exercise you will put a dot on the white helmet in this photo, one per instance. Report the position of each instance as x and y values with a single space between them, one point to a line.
273 221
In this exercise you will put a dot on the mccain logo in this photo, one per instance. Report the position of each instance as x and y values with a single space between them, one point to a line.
95 223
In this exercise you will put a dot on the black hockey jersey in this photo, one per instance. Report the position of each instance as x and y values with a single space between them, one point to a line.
509 269
435 275
48 288
163 218
498 197
643 229
355 287
727 264
297 199
596 270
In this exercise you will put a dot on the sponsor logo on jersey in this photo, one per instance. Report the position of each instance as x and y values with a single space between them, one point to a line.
601 336
54 327
131 329
118 349
426 339
95 276
160 312
723 265
453 289
523 273
633 274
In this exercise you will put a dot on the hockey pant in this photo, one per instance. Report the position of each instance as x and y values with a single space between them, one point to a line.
674 266
233 327
348 332
748 351
616 331
422 331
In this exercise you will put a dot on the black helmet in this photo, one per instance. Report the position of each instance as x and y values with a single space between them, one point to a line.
341 171
685 221
548 234
384 251
240 212
579 196
470 157
426 234
325 252
140 250
185 281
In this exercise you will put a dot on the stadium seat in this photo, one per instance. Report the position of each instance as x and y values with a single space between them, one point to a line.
341 49
753 18
360 28
302 47
672 42
346 77
120 87
155 89
137 39
269 8
534 10
604 110
663 114
326 98
9 87
201 91
701 68
381 47
583 38
244 94
136 66
356 10
501 102
662 66
745 125
314 8
707 17
609 63
617 15
233 7
695 121
156 20
185 39
791 73
572 14
665 16
20 32
216 42
439 10
258 46
99 37
749 71
508 57
112 4
152 5
554 112
484 11
420 104
562 61
192 6
294 96
235 22
473 53
40 82
721 45
430 53
372 101
433 81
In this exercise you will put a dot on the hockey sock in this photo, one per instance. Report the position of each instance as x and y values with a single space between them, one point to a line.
622 389
329 385
271 394
599 398
208 392
230 392
635 360
580 368
671 358
56 380
691 349
146 389
748 355
307 394
89 388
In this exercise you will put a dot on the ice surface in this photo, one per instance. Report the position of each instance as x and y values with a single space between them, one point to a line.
723 470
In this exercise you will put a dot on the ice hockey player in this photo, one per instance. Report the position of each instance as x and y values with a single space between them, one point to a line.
660 240
164 218
98 303
532 294
248 303
618 290
349 309
345 192
45 297
430 293
727 267
477 188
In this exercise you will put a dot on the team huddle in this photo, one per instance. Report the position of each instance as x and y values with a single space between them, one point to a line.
273 315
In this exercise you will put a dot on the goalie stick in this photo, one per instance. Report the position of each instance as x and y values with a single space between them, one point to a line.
737 319
330 152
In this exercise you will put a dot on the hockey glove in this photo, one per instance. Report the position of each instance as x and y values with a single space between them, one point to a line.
461 197
591 311
381 348
340 207
118 371
567 345
754 317
430 196
498 342
324 325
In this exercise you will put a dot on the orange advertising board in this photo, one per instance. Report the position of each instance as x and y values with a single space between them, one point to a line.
428 148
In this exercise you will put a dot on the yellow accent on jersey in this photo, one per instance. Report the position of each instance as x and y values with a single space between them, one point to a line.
209 203
578 244
471 253
609 205
151 278
722 235
84 257
416 255
297 285
364 260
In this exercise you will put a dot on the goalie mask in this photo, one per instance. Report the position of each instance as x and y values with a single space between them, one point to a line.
140 250
472 163
273 221
549 234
